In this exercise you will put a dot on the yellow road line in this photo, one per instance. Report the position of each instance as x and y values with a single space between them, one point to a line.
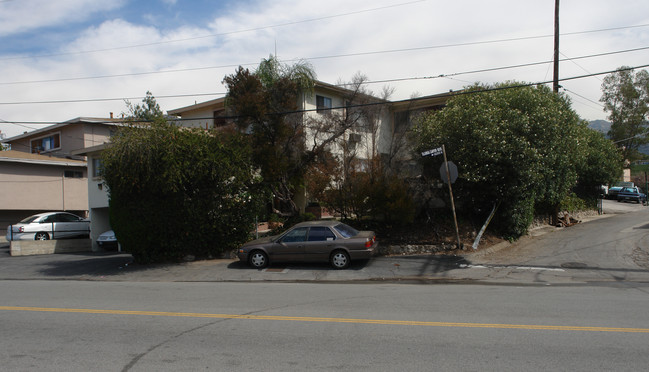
330 320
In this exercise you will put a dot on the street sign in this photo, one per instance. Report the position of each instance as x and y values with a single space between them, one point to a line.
433 152
452 172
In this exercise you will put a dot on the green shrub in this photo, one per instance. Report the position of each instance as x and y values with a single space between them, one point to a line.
176 192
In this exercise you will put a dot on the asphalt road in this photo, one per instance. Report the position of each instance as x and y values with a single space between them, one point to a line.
117 326
561 299
608 249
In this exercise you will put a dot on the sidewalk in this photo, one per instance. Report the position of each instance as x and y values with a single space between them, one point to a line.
96 266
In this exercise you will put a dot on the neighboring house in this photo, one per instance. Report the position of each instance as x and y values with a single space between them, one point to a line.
42 173
61 139
32 183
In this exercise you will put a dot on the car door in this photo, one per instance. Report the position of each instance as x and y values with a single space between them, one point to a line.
290 246
69 226
47 225
320 243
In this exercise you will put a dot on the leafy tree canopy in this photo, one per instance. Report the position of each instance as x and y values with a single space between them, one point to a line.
625 94
148 111
514 144
265 103
176 191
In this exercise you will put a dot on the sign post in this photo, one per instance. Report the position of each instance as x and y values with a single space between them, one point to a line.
448 173
449 181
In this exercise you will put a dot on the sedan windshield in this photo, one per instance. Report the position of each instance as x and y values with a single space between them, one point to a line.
345 230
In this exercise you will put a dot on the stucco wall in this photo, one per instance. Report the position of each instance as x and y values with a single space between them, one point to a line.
42 187
73 137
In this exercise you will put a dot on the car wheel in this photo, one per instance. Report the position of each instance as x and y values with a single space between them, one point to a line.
41 236
258 259
340 259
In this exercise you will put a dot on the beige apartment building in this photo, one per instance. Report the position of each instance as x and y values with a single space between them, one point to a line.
40 173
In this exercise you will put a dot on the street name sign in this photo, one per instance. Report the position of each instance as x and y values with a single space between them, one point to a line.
433 152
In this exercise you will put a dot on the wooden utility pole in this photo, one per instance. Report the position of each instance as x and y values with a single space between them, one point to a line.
555 84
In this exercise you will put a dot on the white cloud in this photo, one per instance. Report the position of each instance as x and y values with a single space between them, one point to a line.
427 27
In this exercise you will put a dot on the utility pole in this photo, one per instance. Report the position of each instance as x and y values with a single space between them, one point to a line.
555 84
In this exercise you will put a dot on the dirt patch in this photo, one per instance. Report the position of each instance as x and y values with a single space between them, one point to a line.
414 238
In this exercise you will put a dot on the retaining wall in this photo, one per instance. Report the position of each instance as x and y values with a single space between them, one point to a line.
33 247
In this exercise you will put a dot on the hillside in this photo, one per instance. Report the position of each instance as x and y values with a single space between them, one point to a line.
600 125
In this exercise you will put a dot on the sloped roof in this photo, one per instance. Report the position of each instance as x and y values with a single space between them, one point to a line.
106 121
13 156
220 102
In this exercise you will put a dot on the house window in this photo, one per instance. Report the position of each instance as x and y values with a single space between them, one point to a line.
401 121
219 119
354 139
72 174
96 167
52 142
323 104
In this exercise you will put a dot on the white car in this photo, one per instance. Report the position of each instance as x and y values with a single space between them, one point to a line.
107 241
51 225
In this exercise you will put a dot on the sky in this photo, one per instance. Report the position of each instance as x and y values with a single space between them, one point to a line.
72 58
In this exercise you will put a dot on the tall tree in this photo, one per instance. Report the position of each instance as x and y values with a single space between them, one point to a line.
265 103
286 141
148 111
626 99
600 163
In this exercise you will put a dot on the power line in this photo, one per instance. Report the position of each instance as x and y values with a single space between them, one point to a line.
580 96
502 68
342 85
449 94
110 99
313 58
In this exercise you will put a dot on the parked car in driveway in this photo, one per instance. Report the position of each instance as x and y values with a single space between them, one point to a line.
613 191
331 241
50 225
631 194
107 241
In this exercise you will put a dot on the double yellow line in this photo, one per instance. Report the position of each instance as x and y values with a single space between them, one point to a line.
330 320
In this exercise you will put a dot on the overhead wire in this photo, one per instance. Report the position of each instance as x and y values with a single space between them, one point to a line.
293 60
341 85
449 94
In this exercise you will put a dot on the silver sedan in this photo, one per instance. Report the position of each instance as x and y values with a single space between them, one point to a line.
51 225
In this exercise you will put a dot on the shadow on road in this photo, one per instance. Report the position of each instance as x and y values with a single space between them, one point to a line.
94 264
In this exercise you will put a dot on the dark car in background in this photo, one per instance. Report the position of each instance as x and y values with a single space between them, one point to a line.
312 241
631 194
613 191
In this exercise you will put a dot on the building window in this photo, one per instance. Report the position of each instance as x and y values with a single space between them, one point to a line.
49 143
323 104
219 119
401 121
96 167
354 139
72 174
